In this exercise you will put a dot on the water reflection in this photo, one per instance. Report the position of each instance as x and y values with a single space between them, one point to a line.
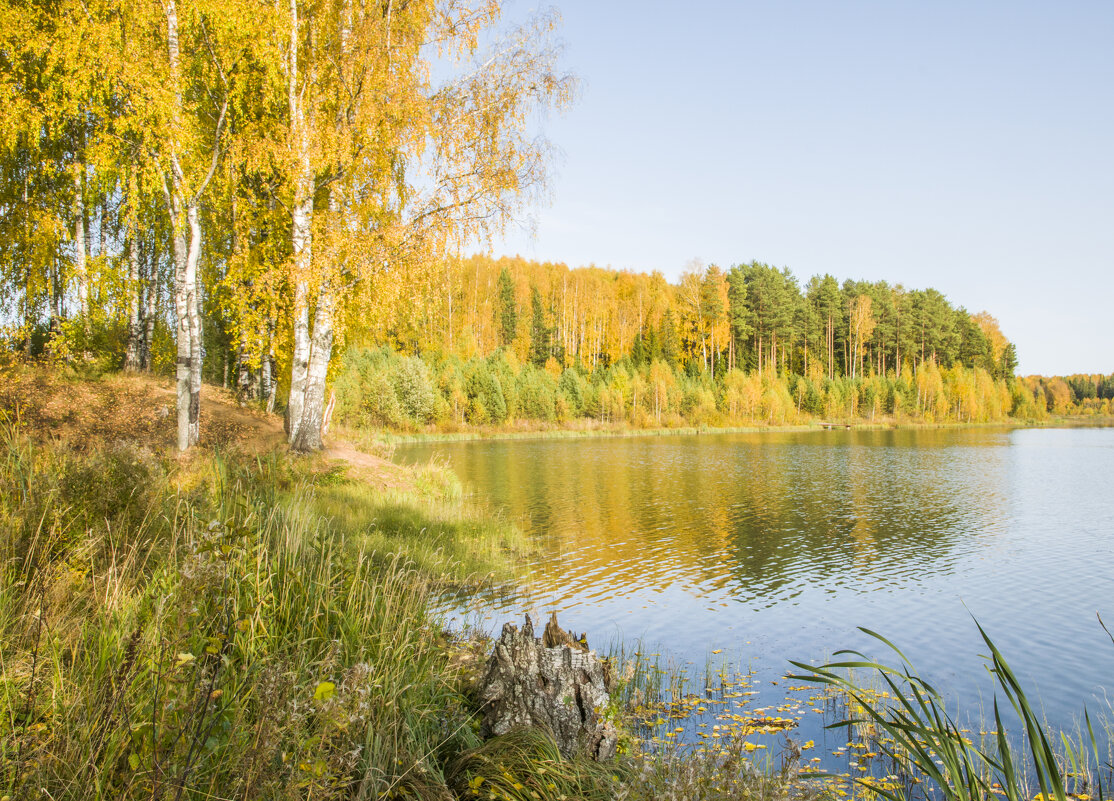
785 542
741 519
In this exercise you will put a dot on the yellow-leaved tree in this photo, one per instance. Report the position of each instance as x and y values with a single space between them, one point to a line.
860 328
176 72
385 166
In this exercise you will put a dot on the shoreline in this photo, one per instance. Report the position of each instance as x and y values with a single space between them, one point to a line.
395 438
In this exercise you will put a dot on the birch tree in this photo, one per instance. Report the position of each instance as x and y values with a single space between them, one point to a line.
861 328
176 76
45 86
386 169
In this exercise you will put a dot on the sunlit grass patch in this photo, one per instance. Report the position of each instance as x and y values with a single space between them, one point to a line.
525 765
433 526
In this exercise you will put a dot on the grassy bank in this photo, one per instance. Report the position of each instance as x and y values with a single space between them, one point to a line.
226 627
384 441
248 625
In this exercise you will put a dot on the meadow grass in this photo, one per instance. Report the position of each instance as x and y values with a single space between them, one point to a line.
211 630
226 628
441 533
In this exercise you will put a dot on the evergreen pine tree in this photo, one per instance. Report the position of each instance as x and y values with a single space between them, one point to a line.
669 339
540 335
506 307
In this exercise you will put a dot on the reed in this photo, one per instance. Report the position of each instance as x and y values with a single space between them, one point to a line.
931 753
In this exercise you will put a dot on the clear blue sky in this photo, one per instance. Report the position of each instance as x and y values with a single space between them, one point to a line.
967 146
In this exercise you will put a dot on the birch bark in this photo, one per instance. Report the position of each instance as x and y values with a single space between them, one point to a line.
267 381
152 305
187 250
131 356
81 248
194 319
184 204
308 436
182 327
301 239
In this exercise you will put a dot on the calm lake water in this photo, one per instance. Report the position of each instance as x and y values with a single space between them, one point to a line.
777 546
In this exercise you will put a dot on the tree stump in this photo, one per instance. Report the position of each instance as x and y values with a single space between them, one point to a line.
554 682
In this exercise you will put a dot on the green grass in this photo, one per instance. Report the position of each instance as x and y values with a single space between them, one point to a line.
388 440
525 765
221 630
441 533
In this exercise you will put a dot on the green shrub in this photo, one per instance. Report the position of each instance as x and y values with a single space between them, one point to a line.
413 389
572 387
485 393
537 395
381 388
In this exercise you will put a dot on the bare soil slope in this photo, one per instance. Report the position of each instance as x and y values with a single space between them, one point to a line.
89 412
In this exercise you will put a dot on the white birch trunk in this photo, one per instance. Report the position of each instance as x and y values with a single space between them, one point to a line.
181 249
250 386
131 356
185 222
81 248
194 317
321 350
301 355
152 304
182 335
308 437
187 252
301 241
184 204
267 382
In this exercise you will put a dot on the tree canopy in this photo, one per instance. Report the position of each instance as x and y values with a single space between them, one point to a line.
255 178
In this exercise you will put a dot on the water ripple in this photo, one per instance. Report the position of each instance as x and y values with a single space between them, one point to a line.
791 541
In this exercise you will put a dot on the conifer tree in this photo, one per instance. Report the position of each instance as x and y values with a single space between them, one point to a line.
507 309
540 333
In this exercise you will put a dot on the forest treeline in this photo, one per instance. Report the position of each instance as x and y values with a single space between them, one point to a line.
381 388
750 317
505 340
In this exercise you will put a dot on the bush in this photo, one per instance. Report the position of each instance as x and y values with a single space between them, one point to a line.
698 404
381 388
486 403
414 390
537 395
572 388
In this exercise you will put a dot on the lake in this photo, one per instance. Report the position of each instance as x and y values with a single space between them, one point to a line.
775 546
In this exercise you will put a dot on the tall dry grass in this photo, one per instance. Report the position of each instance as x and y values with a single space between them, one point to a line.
208 632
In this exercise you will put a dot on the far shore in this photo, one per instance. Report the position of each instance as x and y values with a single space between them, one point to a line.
525 432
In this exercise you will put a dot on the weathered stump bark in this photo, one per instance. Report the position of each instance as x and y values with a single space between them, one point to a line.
554 682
